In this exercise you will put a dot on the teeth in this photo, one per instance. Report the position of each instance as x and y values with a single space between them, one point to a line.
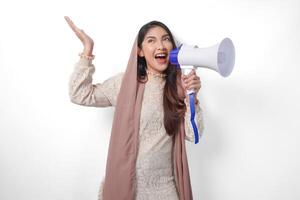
161 55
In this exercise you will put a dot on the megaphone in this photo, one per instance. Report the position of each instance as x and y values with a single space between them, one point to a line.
219 57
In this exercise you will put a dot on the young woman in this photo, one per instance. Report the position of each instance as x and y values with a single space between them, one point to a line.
146 157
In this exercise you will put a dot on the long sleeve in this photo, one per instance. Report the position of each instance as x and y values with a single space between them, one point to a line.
82 91
189 132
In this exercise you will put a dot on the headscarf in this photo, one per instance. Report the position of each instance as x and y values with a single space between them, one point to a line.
120 174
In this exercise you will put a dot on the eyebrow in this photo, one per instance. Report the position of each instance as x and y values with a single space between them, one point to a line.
154 36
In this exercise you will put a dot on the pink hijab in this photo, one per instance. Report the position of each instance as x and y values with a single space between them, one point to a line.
122 153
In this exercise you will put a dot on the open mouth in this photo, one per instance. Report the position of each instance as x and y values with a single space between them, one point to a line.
161 57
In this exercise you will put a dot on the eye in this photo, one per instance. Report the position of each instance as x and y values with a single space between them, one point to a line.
150 40
167 38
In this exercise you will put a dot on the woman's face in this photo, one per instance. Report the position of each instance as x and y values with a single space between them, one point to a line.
156 48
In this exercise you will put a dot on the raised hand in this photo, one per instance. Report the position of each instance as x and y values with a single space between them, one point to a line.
86 40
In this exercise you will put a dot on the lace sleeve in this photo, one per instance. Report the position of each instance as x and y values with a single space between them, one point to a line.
83 92
189 132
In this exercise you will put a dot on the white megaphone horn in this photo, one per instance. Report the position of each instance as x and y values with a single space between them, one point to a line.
219 57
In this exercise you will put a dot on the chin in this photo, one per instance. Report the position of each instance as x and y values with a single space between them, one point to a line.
162 68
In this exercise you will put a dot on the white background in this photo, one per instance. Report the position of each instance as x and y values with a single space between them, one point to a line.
52 149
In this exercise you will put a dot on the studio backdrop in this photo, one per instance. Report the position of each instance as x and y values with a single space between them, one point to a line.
53 149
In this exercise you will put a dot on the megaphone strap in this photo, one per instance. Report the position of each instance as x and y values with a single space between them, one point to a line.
192 108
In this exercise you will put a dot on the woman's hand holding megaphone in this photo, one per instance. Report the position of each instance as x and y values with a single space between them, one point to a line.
191 82
87 42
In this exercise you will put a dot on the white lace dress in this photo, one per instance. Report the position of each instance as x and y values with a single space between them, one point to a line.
154 167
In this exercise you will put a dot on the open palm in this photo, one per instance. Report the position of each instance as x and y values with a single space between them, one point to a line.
86 40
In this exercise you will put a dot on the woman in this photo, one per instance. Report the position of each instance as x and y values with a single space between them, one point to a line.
146 157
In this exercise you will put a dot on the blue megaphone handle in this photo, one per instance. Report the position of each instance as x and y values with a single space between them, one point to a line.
192 108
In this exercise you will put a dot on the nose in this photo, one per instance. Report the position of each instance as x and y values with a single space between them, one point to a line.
161 46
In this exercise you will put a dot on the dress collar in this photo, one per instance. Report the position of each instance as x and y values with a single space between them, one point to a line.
158 75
